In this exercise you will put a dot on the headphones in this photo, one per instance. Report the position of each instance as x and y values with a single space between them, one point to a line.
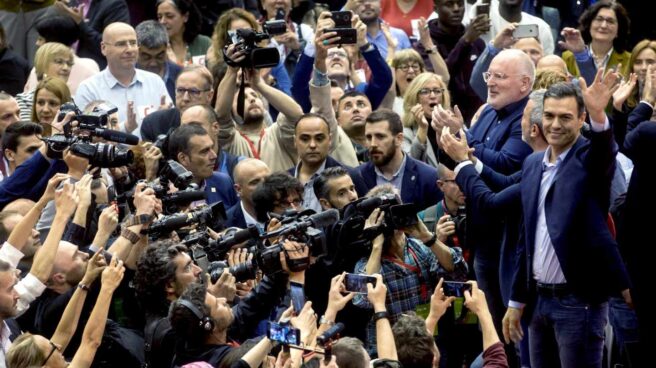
204 322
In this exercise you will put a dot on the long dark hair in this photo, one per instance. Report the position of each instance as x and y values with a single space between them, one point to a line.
623 23
194 22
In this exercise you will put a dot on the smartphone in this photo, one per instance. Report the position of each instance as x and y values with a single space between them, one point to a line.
298 296
526 31
342 19
284 333
347 36
482 9
358 283
455 288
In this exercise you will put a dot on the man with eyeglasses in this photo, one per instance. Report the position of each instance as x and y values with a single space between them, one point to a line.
193 87
136 92
153 42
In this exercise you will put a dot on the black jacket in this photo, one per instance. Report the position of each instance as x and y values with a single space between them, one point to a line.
101 14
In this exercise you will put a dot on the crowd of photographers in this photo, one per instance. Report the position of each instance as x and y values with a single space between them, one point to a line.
333 186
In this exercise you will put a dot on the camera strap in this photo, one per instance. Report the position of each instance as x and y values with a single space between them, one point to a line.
241 95
416 269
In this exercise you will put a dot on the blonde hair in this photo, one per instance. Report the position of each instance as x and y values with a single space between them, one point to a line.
411 98
634 98
546 78
46 54
24 352
406 56
59 88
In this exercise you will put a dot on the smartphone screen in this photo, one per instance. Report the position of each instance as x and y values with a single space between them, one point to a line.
482 9
284 333
455 288
298 296
358 283
526 31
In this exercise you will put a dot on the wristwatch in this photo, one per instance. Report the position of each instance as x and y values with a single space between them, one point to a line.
130 235
381 315
138 220
431 50
324 321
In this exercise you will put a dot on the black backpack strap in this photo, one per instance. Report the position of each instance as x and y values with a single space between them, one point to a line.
153 335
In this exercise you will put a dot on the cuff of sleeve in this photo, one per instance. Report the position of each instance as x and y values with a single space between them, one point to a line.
461 165
600 127
478 166
516 305
319 78
582 56
10 254
647 103
30 288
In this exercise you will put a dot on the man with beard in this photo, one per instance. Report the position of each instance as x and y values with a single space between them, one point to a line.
339 65
132 90
390 165
460 47
352 110
153 41
369 13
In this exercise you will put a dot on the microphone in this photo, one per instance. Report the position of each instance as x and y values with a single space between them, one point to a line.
330 334
184 196
325 218
116 136
239 236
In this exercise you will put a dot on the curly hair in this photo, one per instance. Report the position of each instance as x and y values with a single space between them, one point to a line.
194 23
623 23
273 188
184 322
155 269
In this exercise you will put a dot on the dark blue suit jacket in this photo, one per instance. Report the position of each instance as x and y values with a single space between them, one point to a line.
497 138
219 187
357 179
235 217
576 209
419 182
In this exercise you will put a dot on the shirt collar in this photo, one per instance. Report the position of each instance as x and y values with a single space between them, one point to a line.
316 173
112 81
250 220
396 174
561 158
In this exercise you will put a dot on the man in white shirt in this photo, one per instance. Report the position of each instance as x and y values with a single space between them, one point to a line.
136 92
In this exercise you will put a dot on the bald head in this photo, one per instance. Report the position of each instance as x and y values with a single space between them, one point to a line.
512 74
552 62
119 45
20 205
247 175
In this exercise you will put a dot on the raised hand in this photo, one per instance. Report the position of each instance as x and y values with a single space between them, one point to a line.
131 122
444 228
66 200
597 95
77 14
377 294
144 200
112 274
439 302
475 299
306 321
108 220
505 38
224 287
478 27
337 296
456 148
649 88
52 186
95 266
424 34
573 40
83 188
624 91
152 155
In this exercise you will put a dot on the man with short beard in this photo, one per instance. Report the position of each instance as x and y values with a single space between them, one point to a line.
390 165
369 13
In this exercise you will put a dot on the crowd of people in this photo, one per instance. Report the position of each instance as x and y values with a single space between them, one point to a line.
357 183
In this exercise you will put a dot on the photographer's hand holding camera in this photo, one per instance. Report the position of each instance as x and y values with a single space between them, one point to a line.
107 223
442 252
375 220
152 155
224 287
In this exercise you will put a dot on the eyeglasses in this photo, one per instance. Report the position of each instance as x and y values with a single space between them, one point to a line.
52 351
124 44
288 204
193 92
406 67
335 54
63 62
428 91
487 76
609 20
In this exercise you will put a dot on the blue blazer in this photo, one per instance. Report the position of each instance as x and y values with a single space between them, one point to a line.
30 179
235 217
576 209
497 138
419 182
219 187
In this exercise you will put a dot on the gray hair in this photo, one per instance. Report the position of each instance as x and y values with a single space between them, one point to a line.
152 34
537 97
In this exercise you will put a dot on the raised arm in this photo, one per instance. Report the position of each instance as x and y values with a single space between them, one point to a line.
71 316
278 99
93 331
475 301
373 263
435 58
384 336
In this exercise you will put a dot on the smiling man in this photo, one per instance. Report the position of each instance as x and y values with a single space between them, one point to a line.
121 83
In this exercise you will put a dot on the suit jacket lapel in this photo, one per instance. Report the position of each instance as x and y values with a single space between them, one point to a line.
409 184
530 184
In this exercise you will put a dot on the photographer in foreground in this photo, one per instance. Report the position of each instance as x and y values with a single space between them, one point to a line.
409 268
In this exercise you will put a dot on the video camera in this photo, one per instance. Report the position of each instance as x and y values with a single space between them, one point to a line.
102 155
188 192
212 216
301 227
246 40
397 215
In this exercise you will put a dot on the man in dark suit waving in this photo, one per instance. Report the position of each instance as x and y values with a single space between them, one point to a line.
569 263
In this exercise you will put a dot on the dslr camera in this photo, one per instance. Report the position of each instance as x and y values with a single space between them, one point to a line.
98 117
246 40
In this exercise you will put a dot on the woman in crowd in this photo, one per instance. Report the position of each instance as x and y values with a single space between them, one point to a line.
37 351
604 28
407 64
49 95
182 20
54 60
232 20
425 92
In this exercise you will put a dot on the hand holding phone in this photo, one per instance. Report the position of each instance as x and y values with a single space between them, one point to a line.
284 333
483 9
526 31
298 296
358 283
456 288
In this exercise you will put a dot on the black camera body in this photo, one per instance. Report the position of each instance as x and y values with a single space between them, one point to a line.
257 57
99 117
102 154
212 216
397 215
347 34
